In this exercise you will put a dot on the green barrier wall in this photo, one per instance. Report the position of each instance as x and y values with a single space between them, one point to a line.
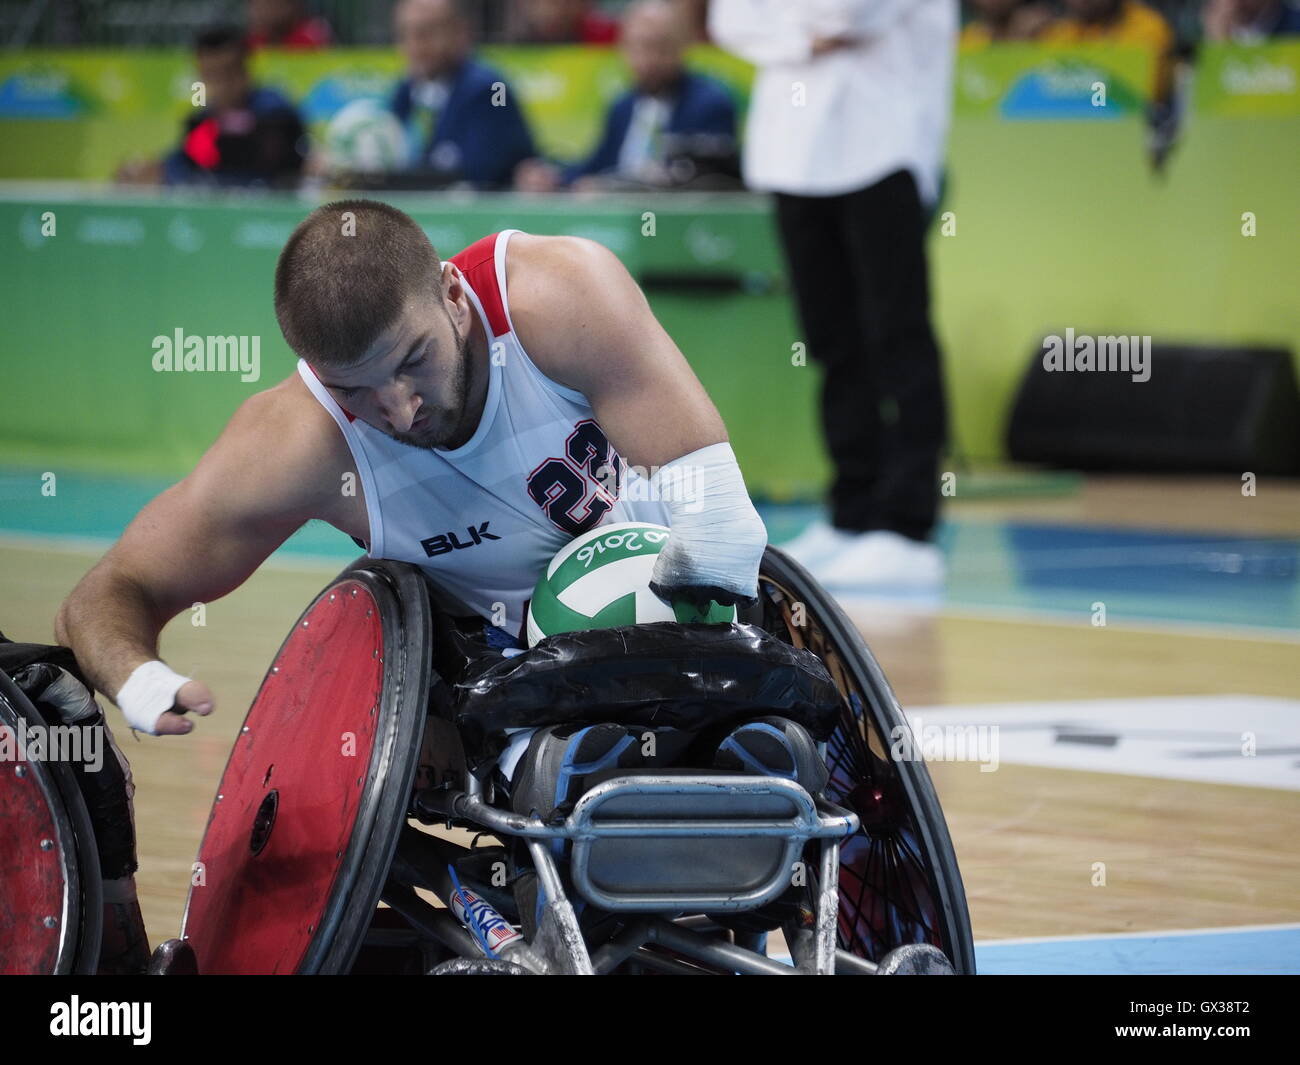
1064 228
1055 221
87 302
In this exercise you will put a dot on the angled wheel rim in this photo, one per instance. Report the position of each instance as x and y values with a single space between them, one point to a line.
893 889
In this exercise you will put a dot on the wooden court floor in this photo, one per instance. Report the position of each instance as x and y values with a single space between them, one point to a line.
1178 854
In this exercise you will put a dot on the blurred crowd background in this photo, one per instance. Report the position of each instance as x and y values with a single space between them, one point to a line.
320 23
453 131
1116 167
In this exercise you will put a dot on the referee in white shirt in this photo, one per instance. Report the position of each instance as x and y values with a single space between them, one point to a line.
846 127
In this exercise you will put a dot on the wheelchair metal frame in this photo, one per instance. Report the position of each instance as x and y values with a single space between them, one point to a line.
560 947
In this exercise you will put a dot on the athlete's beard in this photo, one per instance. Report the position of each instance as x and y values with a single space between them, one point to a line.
460 385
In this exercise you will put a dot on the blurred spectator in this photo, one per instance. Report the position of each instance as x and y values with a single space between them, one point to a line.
667 105
560 22
463 121
1121 22
1250 21
285 24
847 124
1004 20
244 135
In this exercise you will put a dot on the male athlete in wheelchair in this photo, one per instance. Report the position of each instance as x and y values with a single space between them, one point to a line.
771 802
680 789
686 789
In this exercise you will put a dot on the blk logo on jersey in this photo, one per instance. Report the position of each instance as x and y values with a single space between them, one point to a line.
440 545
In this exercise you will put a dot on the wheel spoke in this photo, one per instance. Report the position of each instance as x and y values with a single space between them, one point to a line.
887 895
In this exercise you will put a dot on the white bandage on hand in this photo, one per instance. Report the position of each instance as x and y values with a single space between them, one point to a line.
717 539
149 692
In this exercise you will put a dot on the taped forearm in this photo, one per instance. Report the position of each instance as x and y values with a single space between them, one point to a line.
717 539
112 627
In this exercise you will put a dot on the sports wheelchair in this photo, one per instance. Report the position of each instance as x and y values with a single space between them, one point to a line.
360 827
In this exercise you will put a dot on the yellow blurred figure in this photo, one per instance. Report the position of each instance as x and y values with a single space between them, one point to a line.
1121 22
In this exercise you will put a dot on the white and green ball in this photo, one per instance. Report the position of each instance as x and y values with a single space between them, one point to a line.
602 579
365 136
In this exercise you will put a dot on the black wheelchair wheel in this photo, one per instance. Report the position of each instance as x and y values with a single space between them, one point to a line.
52 917
899 882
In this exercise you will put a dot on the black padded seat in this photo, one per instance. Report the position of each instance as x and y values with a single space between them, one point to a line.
658 675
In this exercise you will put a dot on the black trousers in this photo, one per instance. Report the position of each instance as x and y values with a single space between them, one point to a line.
858 268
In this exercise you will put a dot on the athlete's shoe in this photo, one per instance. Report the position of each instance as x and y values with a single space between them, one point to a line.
882 561
774 747
816 544
560 758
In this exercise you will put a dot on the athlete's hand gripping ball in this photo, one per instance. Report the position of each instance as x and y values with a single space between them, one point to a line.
717 539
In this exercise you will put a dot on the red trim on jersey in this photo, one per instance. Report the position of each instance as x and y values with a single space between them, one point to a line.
478 263
351 417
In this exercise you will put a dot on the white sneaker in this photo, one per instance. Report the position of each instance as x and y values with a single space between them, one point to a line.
816 544
882 560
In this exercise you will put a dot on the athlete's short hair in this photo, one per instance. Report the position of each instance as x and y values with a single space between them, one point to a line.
345 276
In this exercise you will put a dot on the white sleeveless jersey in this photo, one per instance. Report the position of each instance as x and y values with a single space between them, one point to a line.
484 520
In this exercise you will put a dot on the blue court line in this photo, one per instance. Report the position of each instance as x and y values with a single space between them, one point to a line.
1018 567
1141 575
1254 950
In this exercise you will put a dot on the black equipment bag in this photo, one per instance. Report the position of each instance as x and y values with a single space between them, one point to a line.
34 667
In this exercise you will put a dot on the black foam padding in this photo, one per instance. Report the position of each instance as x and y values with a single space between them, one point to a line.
659 675
1202 410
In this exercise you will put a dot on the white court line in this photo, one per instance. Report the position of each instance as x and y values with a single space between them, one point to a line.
1227 738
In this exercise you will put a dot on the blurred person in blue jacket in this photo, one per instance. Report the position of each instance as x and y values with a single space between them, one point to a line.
1250 21
241 134
668 107
462 120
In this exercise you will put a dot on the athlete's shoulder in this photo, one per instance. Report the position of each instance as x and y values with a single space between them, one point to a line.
549 278
568 297
552 247
558 272
265 414
284 441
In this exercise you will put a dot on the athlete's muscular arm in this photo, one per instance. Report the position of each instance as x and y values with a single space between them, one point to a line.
196 542
586 323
